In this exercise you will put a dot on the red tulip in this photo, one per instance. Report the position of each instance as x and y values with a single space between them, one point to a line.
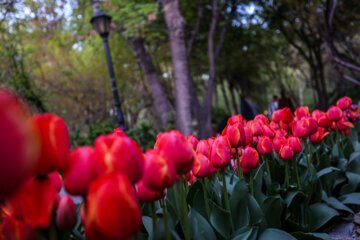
211 141
343 125
236 118
295 144
145 194
286 152
334 113
176 148
319 135
18 144
193 141
112 211
82 160
301 112
344 103
56 179
203 148
248 136
268 131
324 121
312 125
119 132
261 118
286 115
202 167
277 115
283 125
66 216
301 128
120 154
255 127
236 134
243 170
250 159
274 125
220 152
34 201
278 142
264 145
159 171
14 229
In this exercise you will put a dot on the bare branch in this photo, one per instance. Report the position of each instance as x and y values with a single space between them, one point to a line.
196 28
331 15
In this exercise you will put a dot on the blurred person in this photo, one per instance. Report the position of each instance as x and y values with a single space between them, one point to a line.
273 106
285 102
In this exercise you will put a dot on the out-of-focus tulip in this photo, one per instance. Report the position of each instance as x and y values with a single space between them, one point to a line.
119 132
193 141
202 167
265 145
112 210
236 134
220 152
260 117
56 179
18 146
14 229
286 115
295 144
268 131
82 160
286 152
54 143
191 178
276 117
274 126
203 148
34 201
243 170
278 142
119 154
334 113
236 118
248 136
301 112
255 127
313 126
159 171
319 135
301 128
344 103
66 216
284 126
343 125
211 141
324 121
178 149
250 159
145 194
57 200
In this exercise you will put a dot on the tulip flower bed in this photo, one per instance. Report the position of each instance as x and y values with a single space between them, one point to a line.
286 178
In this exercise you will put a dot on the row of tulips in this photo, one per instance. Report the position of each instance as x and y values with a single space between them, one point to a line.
155 194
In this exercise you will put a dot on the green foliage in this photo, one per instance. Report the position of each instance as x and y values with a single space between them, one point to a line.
144 134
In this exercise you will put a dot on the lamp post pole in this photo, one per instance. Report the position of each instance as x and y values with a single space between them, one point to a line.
119 114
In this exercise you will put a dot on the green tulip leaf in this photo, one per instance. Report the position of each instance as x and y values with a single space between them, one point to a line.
352 198
220 220
273 233
272 208
200 227
325 171
290 196
311 236
320 214
333 202
242 233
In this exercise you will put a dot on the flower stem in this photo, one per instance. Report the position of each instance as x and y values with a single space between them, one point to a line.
167 230
297 173
251 183
206 198
308 159
226 199
185 210
267 166
240 174
287 173
154 218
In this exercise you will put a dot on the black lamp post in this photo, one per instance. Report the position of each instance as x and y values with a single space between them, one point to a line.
101 23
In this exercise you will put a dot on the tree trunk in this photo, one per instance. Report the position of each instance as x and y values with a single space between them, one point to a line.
161 103
176 27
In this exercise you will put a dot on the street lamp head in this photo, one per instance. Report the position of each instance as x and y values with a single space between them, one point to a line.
101 23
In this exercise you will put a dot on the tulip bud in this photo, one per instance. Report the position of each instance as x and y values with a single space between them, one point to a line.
220 152
295 144
203 148
301 112
18 145
112 211
286 115
264 145
177 149
202 167
236 134
334 113
145 194
250 158
286 153
120 154
193 141
344 103
81 160
66 214
159 171
56 179
119 132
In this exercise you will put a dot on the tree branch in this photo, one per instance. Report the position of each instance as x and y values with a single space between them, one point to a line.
196 28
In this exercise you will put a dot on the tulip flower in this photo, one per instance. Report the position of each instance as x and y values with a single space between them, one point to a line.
255 127
277 115
250 159
301 128
119 132
18 144
82 159
178 149
202 167
236 134
193 141
248 136
286 115
236 118
145 194
286 152
268 131
14 229
220 152
278 142
319 135
120 154
159 171
211 141
295 144
66 216
264 145
334 113
301 112
344 103
261 118
54 142
112 210
324 121
203 148
56 179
